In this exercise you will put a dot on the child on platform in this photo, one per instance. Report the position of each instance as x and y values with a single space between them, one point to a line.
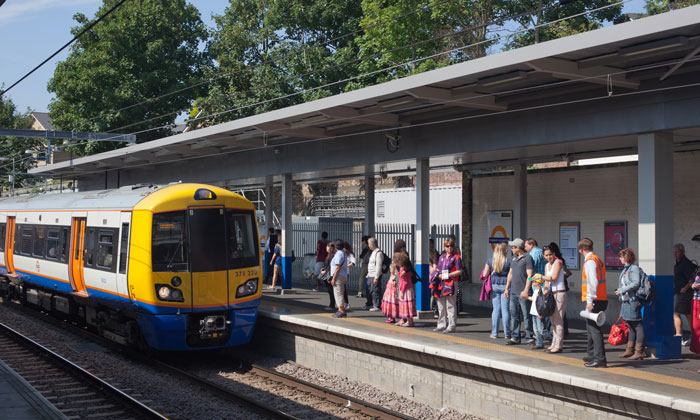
407 292
390 307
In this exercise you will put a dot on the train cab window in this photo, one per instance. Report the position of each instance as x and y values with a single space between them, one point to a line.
169 246
3 229
242 239
26 239
53 244
63 244
105 250
123 248
39 241
89 259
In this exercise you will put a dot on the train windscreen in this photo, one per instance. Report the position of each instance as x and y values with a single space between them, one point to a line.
242 239
170 245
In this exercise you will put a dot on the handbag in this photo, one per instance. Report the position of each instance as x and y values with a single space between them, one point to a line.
486 288
618 333
546 304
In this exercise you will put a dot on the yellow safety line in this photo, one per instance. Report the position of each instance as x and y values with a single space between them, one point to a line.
632 373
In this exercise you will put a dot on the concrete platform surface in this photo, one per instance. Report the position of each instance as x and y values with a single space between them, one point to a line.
669 383
20 401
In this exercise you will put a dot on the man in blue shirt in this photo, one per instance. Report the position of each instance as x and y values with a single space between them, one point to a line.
536 254
339 271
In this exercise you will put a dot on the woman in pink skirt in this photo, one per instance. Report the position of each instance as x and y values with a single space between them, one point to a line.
695 328
390 306
407 293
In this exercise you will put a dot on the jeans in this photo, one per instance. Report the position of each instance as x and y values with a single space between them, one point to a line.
539 330
596 346
374 297
500 309
519 313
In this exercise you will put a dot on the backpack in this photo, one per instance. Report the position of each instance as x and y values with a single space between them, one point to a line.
386 263
645 293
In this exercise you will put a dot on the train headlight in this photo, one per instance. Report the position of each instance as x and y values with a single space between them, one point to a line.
248 288
164 293
176 281
177 295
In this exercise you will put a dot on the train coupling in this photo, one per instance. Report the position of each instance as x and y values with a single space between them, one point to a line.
213 326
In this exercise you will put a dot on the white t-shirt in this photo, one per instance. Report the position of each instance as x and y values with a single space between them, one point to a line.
533 307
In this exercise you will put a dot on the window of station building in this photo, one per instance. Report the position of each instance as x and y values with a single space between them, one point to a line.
39 249
3 229
169 246
26 239
242 239
105 249
124 248
53 244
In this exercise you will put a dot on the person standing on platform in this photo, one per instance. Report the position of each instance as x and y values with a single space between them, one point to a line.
390 304
364 261
433 273
682 293
631 308
554 277
407 291
595 293
330 253
538 261
517 285
498 267
444 285
321 255
339 269
270 243
695 326
375 260
276 264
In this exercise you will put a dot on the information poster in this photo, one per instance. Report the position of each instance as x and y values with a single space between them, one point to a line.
568 243
615 241
500 224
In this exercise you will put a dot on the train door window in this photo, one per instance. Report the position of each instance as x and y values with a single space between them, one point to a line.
39 241
53 244
242 240
63 244
123 248
169 247
89 260
3 229
26 240
105 250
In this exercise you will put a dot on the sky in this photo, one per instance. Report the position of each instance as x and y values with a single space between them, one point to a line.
32 30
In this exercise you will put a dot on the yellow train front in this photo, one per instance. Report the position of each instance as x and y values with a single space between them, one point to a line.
172 267
194 268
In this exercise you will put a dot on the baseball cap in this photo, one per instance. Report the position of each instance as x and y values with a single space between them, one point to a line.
517 242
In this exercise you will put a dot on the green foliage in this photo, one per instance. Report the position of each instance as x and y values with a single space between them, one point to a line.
142 50
552 10
14 147
654 7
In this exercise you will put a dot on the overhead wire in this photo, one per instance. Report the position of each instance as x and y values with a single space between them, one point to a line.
216 114
75 38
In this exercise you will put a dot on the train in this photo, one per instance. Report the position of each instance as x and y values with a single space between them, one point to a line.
164 267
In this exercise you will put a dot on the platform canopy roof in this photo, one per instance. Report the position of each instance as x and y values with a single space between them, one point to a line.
653 53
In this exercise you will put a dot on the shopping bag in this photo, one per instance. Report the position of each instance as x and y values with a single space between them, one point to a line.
618 333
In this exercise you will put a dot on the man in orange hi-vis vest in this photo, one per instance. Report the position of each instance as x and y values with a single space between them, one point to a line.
595 294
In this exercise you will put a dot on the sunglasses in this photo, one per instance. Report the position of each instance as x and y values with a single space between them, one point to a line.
449 246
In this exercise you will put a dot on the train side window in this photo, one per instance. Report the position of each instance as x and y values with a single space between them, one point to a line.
89 260
3 229
26 240
123 248
105 250
242 239
53 244
63 244
39 241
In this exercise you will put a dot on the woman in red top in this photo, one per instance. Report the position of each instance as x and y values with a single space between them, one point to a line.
407 293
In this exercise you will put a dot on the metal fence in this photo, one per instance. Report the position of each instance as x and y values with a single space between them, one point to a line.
306 235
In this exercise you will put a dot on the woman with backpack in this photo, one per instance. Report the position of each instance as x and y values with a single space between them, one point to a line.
443 287
631 309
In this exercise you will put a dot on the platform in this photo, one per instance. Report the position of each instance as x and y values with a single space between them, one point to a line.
471 372
20 401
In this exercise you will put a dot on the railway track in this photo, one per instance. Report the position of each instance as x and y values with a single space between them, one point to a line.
75 392
321 400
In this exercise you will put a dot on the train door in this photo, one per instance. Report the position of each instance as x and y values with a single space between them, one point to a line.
123 262
208 260
75 262
10 244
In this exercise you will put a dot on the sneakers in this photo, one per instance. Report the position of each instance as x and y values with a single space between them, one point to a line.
340 315
314 290
512 343
438 329
685 343
493 336
374 309
364 308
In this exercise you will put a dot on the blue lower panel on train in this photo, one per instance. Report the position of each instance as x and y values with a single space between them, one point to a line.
177 332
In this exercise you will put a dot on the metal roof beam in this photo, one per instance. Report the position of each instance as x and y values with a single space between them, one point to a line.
286 130
384 120
463 99
569 70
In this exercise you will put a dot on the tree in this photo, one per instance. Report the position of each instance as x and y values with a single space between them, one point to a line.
654 7
538 12
14 147
143 50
